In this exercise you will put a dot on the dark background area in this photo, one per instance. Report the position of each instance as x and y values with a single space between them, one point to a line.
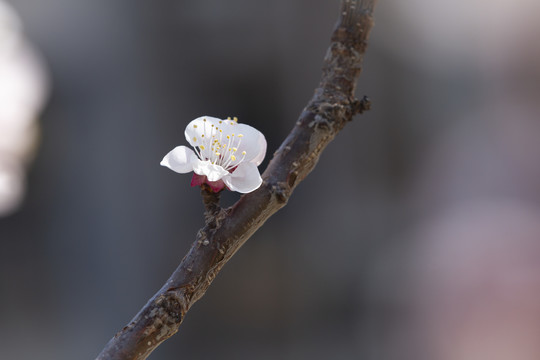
412 221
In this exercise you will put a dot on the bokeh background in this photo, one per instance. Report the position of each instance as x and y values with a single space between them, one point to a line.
416 237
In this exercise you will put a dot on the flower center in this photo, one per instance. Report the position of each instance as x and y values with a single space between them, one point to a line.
220 149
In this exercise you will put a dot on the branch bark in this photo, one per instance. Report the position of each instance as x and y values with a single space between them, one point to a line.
226 230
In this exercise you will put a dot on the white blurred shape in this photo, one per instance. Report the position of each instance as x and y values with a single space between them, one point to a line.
23 89
11 186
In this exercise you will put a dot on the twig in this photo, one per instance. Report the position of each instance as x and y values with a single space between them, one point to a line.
226 230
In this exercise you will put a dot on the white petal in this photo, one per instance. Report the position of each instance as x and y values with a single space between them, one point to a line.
256 147
230 135
198 127
244 179
213 172
252 142
180 159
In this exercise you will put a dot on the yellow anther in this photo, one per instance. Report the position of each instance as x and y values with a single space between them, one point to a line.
204 119
234 149
243 153
195 126
228 118
202 135
217 154
194 139
240 135
220 121
235 119
233 158
232 122
228 137
201 147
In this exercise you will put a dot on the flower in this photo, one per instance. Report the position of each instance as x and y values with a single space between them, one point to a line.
23 91
226 154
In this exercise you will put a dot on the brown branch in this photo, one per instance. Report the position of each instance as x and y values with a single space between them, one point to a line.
226 230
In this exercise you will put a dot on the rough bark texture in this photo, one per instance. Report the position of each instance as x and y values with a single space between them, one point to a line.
226 230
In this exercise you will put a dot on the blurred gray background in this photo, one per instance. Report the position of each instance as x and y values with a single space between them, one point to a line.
416 237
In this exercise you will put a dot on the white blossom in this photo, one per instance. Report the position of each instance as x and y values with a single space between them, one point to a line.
23 90
226 154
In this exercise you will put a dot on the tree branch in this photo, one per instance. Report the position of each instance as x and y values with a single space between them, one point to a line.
226 230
